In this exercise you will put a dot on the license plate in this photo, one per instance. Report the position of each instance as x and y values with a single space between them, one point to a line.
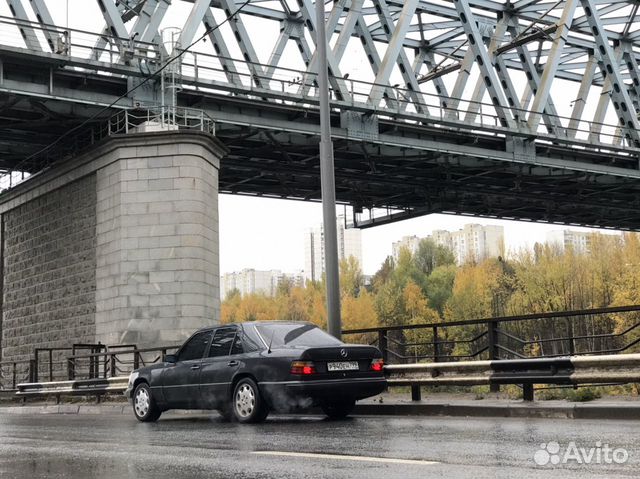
343 366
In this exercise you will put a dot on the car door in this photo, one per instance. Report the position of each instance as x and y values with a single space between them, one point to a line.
181 381
218 368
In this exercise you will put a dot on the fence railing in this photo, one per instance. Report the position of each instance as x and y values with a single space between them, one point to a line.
13 373
602 331
542 335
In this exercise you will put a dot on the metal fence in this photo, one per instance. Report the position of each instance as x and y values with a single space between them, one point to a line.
542 335
609 331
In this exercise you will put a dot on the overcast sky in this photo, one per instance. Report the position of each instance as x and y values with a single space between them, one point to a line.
268 234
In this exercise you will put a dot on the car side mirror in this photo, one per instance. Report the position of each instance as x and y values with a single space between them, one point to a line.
170 358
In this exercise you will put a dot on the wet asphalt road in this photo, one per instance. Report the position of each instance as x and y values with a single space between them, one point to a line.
188 446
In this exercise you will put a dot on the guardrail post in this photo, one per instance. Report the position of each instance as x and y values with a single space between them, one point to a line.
416 394
50 364
494 352
527 392
436 345
13 375
382 345
136 359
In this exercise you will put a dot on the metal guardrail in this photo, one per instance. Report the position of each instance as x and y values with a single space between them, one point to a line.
528 372
86 387
572 370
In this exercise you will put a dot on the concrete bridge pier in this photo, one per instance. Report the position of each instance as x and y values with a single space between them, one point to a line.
118 246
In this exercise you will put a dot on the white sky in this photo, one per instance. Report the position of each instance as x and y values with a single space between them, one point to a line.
268 234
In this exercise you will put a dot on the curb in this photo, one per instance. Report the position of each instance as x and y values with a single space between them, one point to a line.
515 410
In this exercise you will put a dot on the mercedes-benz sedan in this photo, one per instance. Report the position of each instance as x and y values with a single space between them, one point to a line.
247 370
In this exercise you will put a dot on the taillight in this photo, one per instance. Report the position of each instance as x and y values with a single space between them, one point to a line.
303 367
377 365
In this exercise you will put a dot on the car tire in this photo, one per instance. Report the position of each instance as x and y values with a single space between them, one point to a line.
338 409
144 406
247 404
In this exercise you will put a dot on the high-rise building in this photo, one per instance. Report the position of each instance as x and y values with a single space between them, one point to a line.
472 243
579 241
349 244
249 281
407 242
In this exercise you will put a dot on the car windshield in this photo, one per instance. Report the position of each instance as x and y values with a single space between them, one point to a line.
289 335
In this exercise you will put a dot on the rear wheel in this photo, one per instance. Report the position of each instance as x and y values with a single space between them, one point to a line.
247 403
144 406
338 409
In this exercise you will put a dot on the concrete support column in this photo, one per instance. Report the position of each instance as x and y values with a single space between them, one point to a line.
157 264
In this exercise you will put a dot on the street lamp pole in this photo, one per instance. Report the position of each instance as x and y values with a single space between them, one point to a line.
327 180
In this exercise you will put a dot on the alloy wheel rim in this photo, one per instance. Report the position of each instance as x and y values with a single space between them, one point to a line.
142 402
245 401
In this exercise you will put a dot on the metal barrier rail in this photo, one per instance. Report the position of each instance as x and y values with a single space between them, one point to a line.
571 370
86 387
526 372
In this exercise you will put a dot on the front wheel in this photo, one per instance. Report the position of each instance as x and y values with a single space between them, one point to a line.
338 409
247 403
144 406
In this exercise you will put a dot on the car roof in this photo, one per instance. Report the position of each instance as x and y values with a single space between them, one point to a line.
255 323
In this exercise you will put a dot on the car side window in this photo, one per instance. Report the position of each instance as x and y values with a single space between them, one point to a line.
195 347
222 341
244 344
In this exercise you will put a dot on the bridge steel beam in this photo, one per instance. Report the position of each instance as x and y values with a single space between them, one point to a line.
610 69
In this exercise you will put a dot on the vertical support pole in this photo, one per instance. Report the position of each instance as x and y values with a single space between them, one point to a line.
572 345
70 369
494 353
136 358
113 365
382 345
436 345
33 367
527 392
50 364
327 181
13 376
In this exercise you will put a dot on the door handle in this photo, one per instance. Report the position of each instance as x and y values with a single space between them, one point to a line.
232 363
194 367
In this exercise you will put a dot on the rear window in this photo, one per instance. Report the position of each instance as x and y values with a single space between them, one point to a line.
289 335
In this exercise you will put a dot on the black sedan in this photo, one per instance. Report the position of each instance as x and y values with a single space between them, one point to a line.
247 370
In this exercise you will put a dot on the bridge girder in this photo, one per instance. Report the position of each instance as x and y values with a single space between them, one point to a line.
496 145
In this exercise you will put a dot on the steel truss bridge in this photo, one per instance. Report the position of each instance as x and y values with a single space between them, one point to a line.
524 110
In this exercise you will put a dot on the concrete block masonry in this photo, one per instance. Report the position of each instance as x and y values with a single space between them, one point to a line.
119 245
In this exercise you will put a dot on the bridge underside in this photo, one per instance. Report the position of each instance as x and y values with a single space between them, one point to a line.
408 170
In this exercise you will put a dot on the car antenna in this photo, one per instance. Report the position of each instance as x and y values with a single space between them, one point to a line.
273 333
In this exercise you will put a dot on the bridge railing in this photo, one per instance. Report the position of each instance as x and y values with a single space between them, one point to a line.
93 51
13 373
542 335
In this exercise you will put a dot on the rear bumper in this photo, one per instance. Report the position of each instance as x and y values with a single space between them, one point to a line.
287 395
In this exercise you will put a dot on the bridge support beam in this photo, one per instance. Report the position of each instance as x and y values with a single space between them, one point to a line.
118 246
